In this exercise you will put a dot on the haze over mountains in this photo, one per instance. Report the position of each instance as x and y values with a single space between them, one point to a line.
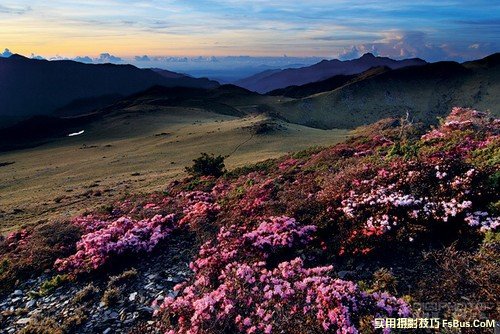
274 79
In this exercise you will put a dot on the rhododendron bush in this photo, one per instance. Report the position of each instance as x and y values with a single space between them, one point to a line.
106 239
235 290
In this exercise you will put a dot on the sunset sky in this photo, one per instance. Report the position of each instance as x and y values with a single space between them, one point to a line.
431 30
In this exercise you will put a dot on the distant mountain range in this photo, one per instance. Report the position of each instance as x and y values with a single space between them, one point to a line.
275 79
425 92
39 87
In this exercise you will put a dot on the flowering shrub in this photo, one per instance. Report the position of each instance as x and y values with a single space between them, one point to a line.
253 299
233 289
106 239
199 210
17 238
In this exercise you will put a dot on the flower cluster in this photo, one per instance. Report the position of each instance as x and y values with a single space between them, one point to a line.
199 209
288 163
279 232
17 238
233 288
103 240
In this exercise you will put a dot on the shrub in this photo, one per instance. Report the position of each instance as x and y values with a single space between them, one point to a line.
52 284
110 238
84 295
111 296
237 288
207 165
29 252
42 326
123 278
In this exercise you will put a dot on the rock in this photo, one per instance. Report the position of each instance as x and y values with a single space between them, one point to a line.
17 293
132 296
342 274
107 331
23 321
31 303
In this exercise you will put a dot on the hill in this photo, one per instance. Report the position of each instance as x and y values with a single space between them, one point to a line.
223 100
39 87
271 80
424 92
326 85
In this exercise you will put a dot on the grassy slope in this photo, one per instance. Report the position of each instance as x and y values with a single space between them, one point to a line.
425 92
57 180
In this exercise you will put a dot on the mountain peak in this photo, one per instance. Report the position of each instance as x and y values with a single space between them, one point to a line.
17 56
367 55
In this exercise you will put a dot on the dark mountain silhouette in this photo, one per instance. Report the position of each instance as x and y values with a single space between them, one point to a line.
169 74
39 87
326 85
425 92
270 80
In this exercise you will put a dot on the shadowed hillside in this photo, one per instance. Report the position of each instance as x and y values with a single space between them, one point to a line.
224 100
326 85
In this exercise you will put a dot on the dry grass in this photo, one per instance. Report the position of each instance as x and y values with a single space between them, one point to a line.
138 150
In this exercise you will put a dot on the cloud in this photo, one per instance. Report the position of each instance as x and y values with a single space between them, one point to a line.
103 58
14 10
84 59
108 58
142 58
6 53
412 44
38 57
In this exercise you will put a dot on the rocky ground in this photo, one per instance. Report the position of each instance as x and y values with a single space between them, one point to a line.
112 302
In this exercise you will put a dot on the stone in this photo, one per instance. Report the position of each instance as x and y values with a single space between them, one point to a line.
17 293
107 331
31 303
132 296
23 321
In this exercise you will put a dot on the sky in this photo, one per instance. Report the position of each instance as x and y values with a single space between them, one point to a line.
153 31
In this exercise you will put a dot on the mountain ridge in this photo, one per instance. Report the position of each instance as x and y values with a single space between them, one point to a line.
271 80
